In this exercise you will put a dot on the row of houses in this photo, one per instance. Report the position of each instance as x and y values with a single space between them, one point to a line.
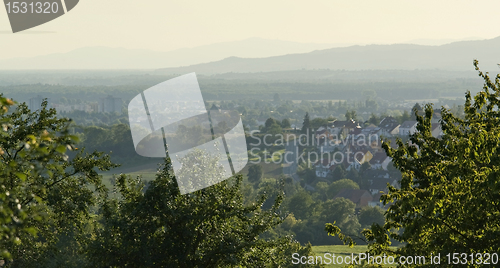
352 146
349 146
388 128
355 145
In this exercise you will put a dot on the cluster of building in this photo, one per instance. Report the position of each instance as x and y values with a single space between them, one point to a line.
351 145
109 104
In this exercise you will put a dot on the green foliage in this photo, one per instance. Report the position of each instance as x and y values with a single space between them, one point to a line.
306 124
255 173
370 215
285 123
321 189
449 199
275 129
299 204
405 117
154 225
353 175
306 172
338 173
318 122
351 115
310 214
114 138
342 211
269 122
45 189
333 230
272 126
49 189
374 119
339 185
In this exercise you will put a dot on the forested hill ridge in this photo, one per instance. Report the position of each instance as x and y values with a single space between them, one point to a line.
455 56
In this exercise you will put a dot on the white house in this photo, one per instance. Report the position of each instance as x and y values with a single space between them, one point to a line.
389 126
408 128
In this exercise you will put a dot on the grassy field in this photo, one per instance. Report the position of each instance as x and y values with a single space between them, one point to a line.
270 170
340 250
147 171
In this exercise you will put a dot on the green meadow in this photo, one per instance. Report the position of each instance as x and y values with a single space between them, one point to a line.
340 250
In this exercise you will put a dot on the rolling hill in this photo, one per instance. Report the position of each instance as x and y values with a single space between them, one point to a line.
457 56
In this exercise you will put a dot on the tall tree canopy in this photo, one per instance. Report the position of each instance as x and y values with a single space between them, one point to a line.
156 226
255 173
306 124
56 212
45 190
449 200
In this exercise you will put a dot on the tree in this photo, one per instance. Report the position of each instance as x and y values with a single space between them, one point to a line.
405 117
270 122
350 115
374 119
341 211
318 122
449 197
275 130
337 186
306 124
255 173
299 204
353 175
306 172
321 189
416 109
370 215
156 226
364 167
338 173
285 123
47 185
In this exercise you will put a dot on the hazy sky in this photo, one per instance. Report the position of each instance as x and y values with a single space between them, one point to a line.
167 25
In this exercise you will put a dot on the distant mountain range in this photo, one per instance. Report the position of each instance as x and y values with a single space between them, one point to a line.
457 56
121 58
259 55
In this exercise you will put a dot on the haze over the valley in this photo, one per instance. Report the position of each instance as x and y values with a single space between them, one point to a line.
163 34
261 55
